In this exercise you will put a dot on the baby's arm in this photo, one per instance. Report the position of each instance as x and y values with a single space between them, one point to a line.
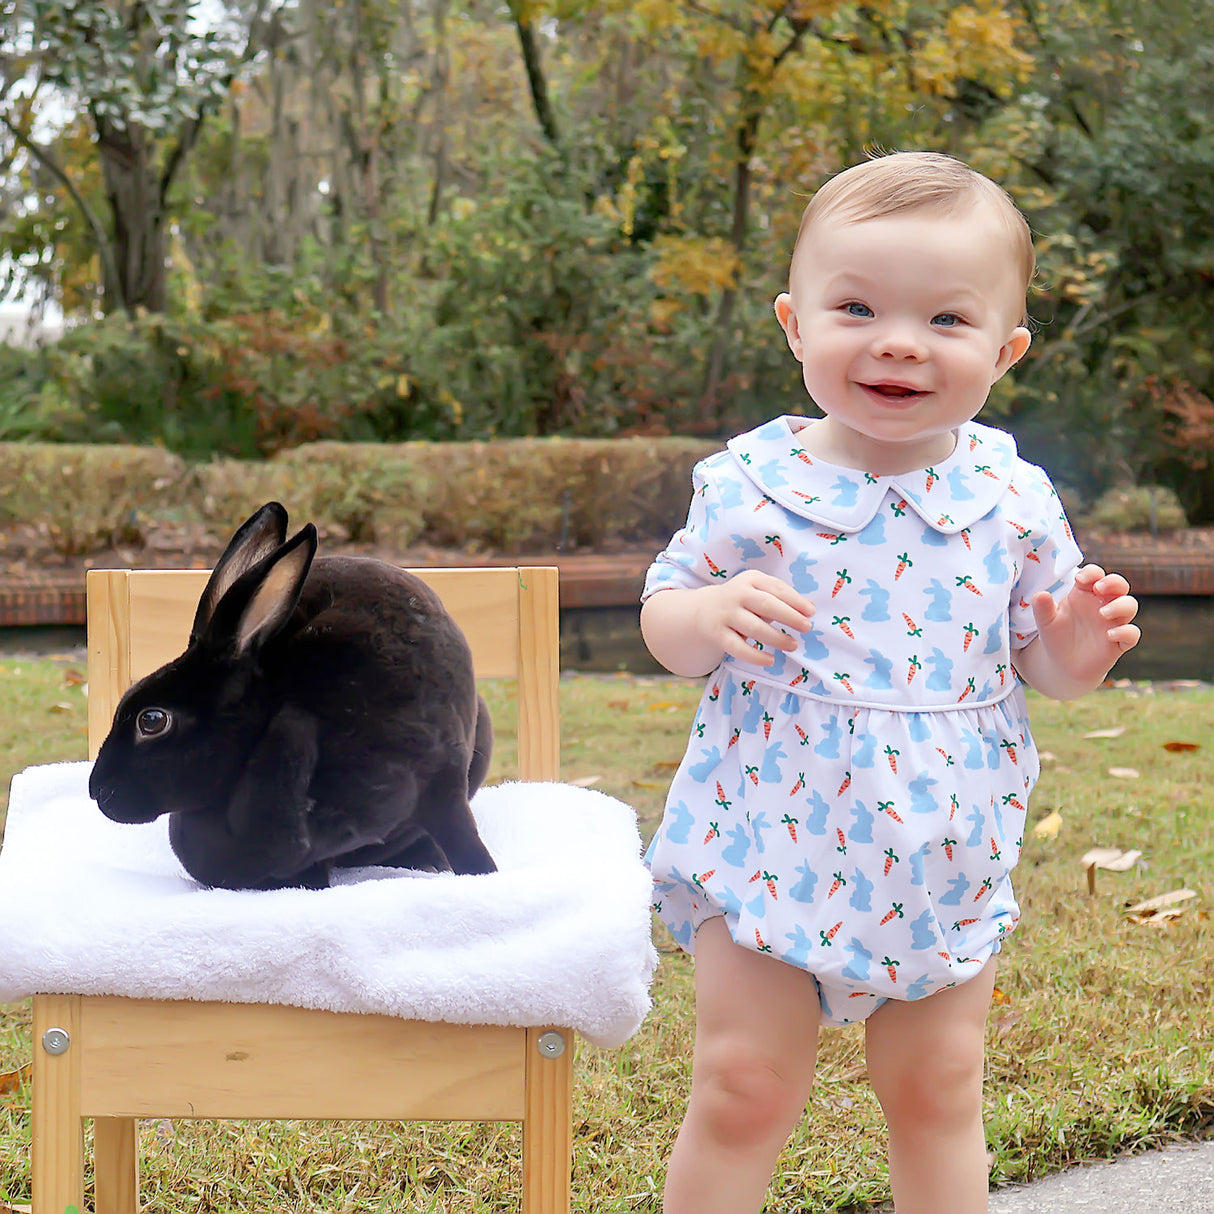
690 630
1080 637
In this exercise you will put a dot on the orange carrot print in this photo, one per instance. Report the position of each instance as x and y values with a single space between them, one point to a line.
904 563
843 623
721 801
965 536
842 841
970 633
770 880
844 786
752 774
983 888
891 756
968 583
915 667
714 832
801 454
801 678
717 571
791 823
953 805
774 541
802 735
715 693
763 501
700 878
763 948
912 629
932 477
757 877
796 788
898 507
768 721
887 807
1010 747
969 690
842 578
948 846
843 678
958 924
827 938
889 966
890 860
737 733
894 912
1011 799
836 538
985 469
839 882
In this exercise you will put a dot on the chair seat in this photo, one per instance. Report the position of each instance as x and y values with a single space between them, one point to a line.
560 935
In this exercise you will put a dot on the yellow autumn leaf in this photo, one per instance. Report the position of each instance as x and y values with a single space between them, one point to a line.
1049 826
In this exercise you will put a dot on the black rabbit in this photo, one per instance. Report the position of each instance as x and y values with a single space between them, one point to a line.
324 713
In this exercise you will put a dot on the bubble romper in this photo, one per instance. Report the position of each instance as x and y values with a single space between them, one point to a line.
856 809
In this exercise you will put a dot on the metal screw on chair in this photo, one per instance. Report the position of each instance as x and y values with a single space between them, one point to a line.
551 1044
56 1041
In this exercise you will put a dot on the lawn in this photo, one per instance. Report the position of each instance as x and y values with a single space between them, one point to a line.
1100 1040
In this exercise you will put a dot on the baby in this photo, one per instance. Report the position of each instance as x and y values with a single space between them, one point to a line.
868 591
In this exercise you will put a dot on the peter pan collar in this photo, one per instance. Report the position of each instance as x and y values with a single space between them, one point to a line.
949 496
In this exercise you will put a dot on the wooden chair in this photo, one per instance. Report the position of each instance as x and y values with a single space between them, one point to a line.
116 1059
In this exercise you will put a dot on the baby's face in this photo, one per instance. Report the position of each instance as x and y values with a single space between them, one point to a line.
902 324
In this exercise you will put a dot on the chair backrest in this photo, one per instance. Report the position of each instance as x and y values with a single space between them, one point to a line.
139 619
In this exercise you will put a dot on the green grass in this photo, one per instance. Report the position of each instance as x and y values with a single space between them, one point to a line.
1101 1040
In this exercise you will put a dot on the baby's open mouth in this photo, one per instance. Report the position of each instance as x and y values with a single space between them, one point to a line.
893 390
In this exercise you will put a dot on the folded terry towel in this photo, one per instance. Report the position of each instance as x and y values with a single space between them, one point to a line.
559 935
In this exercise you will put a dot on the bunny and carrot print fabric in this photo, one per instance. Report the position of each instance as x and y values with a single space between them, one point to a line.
857 807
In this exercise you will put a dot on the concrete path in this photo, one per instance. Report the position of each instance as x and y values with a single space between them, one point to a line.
1176 1180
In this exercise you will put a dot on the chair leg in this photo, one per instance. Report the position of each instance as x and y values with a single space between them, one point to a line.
548 1122
116 1165
57 1146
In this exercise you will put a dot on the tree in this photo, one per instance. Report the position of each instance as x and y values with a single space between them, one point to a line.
146 75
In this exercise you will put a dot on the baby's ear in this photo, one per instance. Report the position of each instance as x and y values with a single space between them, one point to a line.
788 322
1012 351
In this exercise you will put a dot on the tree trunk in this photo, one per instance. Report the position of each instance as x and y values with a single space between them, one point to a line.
135 195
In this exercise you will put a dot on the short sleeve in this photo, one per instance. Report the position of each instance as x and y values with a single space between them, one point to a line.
689 560
1051 557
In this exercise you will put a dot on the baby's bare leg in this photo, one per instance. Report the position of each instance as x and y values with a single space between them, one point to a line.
925 1060
756 1046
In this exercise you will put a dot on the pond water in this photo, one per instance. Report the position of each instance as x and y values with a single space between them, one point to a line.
1177 640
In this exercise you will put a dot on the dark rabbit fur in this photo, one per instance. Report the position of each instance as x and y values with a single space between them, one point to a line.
324 713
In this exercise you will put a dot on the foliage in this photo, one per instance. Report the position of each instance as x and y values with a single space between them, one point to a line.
1140 508
438 220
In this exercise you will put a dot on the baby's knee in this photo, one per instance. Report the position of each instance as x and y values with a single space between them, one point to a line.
932 1092
744 1097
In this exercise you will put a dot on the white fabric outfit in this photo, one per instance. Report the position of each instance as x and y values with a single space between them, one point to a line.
856 809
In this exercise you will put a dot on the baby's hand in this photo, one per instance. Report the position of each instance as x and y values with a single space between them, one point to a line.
1090 628
752 607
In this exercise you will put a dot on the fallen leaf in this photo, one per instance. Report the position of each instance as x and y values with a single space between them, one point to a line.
1049 826
619 705
585 781
666 765
1161 907
1124 773
664 706
73 678
59 708
1006 1021
11 1081
1181 748
649 784
1106 733
999 995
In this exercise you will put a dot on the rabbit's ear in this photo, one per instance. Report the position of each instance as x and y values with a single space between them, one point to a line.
261 600
255 539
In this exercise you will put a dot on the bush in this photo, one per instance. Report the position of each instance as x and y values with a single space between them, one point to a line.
1139 508
89 496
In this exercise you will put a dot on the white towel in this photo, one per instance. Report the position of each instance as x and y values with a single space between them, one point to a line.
559 935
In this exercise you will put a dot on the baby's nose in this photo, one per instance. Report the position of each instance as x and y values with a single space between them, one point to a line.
899 341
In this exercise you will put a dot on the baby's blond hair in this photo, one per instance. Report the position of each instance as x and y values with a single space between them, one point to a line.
917 181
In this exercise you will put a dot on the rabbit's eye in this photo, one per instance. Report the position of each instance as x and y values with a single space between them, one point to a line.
152 722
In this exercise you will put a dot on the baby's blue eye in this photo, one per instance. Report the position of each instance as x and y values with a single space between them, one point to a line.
947 320
857 309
